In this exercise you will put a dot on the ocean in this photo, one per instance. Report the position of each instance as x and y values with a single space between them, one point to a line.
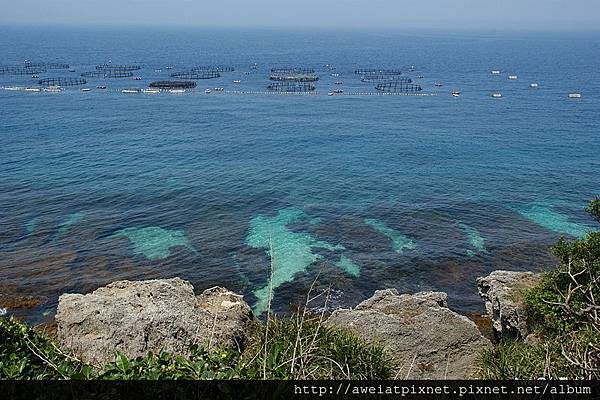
352 192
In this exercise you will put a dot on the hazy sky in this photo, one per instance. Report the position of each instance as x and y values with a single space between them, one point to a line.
459 14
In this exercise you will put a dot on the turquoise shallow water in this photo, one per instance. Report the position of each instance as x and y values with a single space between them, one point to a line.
365 192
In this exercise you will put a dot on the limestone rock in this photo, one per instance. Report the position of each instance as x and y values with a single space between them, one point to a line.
429 340
137 317
501 292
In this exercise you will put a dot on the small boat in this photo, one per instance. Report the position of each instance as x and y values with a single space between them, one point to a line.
177 91
85 89
53 89
438 84
130 91
71 69
207 91
338 91
169 67
339 83
12 88
219 89
411 68
420 77
35 76
574 95
237 81
137 78
495 72
534 85
497 95
513 77
336 74
158 70
100 87
33 89
151 91
455 94
330 94
254 66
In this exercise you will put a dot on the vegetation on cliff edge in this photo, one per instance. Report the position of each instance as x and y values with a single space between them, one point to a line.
564 309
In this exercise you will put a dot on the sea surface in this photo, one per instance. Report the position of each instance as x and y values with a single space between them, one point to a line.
355 192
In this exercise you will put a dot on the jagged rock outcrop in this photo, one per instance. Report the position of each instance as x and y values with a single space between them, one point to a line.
501 291
429 340
135 317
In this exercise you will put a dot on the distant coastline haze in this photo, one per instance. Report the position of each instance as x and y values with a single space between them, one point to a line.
557 15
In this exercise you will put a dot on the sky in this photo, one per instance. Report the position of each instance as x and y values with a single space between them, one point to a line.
399 14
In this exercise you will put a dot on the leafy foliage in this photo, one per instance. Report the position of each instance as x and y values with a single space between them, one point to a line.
25 354
219 364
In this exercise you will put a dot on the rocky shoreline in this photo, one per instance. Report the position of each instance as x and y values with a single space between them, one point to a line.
428 339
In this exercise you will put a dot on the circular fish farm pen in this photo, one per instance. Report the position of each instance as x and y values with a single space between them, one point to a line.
27 70
173 84
108 73
293 71
196 74
104 67
60 81
377 78
362 71
291 77
213 68
46 65
288 87
398 87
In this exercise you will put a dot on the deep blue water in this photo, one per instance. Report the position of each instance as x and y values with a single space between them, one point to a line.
365 192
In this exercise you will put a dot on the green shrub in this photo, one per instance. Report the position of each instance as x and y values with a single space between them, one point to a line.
218 364
25 354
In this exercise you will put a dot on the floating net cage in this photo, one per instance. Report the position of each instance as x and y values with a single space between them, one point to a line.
362 71
27 70
212 68
104 67
47 65
108 73
376 78
299 71
60 81
398 87
196 74
289 87
293 77
173 84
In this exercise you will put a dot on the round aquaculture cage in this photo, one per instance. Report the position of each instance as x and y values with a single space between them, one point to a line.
173 84
285 77
213 68
47 65
108 73
376 78
362 71
289 87
104 67
196 74
287 70
27 70
60 81
398 87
